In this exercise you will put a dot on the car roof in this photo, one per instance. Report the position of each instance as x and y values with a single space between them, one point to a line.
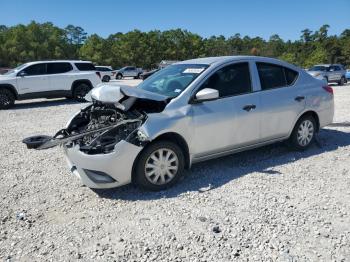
224 59
59 61
329 65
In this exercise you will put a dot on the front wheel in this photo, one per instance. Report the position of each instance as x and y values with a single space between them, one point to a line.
80 92
159 166
119 76
7 99
303 133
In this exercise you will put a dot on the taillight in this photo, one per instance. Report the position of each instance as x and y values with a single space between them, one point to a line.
328 89
99 74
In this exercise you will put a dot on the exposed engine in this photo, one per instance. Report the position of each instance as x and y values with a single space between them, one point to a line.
104 125
116 113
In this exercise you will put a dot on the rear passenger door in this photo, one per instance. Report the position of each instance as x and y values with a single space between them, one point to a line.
59 76
281 100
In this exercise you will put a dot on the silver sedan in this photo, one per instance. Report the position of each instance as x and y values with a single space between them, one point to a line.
189 112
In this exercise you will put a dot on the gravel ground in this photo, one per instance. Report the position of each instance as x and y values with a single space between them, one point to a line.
268 204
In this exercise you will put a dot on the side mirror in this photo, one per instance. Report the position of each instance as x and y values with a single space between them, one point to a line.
22 74
206 94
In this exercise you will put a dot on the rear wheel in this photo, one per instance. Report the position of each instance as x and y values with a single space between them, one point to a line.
106 79
342 81
80 91
159 166
303 133
7 99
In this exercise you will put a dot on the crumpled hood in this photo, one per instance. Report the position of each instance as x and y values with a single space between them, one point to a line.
108 93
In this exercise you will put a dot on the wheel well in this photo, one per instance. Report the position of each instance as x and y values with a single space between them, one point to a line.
315 116
11 88
172 137
81 81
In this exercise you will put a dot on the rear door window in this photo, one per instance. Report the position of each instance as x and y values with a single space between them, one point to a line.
37 69
58 68
85 66
275 76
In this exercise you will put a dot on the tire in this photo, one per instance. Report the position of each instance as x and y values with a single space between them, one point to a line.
80 91
303 134
156 177
342 81
7 98
119 76
106 79
139 76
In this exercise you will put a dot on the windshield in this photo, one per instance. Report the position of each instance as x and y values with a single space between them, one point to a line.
318 68
15 69
173 79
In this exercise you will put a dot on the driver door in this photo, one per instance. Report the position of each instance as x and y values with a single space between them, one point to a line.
231 121
33 79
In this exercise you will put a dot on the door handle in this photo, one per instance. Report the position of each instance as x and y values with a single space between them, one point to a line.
299 98
249 107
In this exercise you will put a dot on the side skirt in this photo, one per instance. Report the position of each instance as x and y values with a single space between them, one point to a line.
46 94
235 150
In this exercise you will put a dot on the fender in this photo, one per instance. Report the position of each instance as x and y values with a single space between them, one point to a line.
302 113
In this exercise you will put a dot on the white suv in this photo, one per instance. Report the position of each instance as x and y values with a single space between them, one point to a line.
48 79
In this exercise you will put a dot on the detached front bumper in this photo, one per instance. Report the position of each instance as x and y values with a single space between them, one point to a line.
103 170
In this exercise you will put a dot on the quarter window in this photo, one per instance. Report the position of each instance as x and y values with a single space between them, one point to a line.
103 69
291 76
275 76
58 68
85 66
230 80
37 69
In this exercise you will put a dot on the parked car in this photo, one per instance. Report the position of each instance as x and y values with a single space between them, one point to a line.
129 71
4 70
107 73
347 75
48 79
162 64
147 74
190 112
334 73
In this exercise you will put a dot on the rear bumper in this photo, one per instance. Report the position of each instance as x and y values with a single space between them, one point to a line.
326 116
103 170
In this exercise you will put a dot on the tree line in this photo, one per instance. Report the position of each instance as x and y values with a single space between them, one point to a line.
40 41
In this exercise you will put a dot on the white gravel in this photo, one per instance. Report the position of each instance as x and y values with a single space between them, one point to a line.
268 204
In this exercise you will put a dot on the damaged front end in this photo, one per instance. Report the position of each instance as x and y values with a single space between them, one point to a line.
115 114
102 141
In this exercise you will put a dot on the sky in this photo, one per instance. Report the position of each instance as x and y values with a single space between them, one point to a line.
205 17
